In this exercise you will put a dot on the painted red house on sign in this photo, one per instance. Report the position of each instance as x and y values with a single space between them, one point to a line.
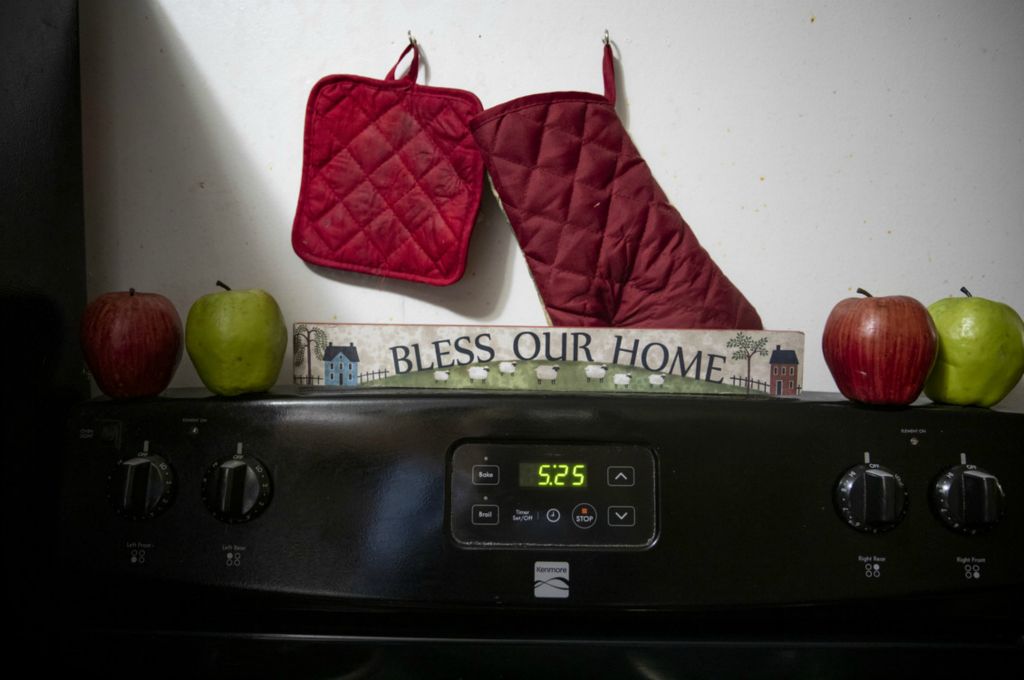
784 372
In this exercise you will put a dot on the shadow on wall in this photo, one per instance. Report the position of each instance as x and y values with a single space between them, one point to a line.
166 171
174 201
171 199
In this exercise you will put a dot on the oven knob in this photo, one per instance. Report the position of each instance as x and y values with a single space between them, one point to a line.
871 498
141 487
968 499
237 489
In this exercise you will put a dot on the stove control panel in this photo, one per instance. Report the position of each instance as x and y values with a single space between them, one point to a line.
536 495
419 497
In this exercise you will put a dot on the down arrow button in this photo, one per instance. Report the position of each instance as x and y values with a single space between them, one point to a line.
622 516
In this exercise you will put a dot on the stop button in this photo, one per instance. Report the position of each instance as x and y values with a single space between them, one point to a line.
584 516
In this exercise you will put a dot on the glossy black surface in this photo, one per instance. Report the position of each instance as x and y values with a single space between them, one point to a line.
361 509
352 566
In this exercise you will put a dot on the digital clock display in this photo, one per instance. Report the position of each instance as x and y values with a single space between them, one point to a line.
553 475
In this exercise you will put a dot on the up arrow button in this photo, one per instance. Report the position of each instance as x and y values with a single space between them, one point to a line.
621 475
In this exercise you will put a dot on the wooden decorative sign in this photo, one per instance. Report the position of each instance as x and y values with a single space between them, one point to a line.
624 360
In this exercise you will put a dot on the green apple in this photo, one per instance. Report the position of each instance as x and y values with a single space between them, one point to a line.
981 351
236 339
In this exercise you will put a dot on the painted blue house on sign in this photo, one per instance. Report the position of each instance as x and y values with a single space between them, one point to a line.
341 365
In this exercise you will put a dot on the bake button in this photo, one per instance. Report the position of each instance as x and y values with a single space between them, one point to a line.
622 516
621 475
486 474
485 514
584 516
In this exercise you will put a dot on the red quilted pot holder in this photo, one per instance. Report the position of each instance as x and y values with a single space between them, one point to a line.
391 177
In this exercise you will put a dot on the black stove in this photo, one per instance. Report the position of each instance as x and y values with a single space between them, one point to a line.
599 532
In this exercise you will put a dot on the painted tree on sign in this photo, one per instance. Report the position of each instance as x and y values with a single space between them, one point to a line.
314 341
747 348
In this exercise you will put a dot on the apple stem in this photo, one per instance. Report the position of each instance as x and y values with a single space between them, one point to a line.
131 291
864 292
223 285
963 289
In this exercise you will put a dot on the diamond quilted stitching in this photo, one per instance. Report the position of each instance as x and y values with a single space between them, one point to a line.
391 181
602 242
436 158
370 149
401 126
339 178
561 154
347 236
386 237
597 166
519 139
424 227
540 240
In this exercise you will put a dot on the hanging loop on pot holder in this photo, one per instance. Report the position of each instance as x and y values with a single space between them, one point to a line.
391 177
608 68
414 67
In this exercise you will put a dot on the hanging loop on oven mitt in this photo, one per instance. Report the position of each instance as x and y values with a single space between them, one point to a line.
603 243
391 177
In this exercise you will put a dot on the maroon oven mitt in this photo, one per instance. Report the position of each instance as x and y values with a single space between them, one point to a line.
391 177
603 243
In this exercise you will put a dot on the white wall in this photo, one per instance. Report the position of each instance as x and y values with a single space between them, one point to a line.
814 146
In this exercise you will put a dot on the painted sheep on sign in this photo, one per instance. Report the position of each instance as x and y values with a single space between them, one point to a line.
549 373
478 373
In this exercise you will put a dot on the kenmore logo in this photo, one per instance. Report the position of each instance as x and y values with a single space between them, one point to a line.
551 579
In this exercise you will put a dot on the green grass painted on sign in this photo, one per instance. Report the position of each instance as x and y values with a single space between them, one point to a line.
571 378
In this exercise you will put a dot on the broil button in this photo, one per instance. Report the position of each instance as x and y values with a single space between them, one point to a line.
584 516
485 514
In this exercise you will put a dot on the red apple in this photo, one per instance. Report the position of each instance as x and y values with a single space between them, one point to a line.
132 343
879 349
